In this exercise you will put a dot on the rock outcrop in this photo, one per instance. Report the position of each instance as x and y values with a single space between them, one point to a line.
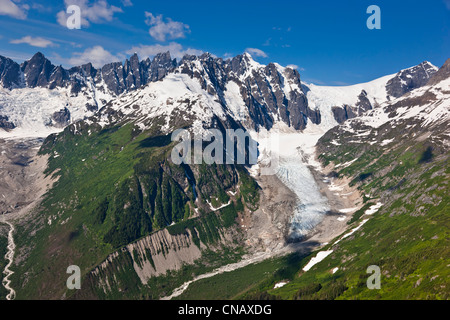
410 79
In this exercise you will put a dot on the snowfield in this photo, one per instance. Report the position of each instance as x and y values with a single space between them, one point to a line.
31 109
325 97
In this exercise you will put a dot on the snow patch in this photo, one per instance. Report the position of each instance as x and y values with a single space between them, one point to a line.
280 284
319 257
386 142
222 206
373 209
348 210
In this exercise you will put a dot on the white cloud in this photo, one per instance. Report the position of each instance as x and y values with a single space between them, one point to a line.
256 52
127 3
96 12
35 42
295 67
176 50
96 55
168 30
9 8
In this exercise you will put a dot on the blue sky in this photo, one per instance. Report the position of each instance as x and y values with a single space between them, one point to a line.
328 41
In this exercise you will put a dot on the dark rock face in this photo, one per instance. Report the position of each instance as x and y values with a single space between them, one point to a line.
134 74
442 74
9 73
61 118
6 124
262 89
132 70
91 107
58 78
112 74
342 114
37 71
118 77
363 104
79 76
161 65
410 79
269 101
345 112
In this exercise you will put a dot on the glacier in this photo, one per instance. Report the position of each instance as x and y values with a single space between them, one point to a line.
295 155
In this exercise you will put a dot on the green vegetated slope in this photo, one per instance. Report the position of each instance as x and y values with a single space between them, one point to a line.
404 167
3 261
407 171
115 186
249 282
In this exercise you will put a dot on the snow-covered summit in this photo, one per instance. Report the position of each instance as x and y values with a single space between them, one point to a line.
37 98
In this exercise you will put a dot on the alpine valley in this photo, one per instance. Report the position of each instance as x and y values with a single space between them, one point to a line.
361 179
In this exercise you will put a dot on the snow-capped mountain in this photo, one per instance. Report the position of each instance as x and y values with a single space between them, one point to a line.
409 79
113 77
38 98
347 102
428 105
116 183
421 115
269 101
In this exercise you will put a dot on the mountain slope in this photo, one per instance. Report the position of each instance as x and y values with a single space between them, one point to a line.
133 192
347 102
138 225
398 157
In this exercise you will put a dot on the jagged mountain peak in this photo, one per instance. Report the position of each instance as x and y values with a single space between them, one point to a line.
243 65
426 105
9 73
410 78
425 64
240 88
38 56
248 92
37 71
37 59
134 56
